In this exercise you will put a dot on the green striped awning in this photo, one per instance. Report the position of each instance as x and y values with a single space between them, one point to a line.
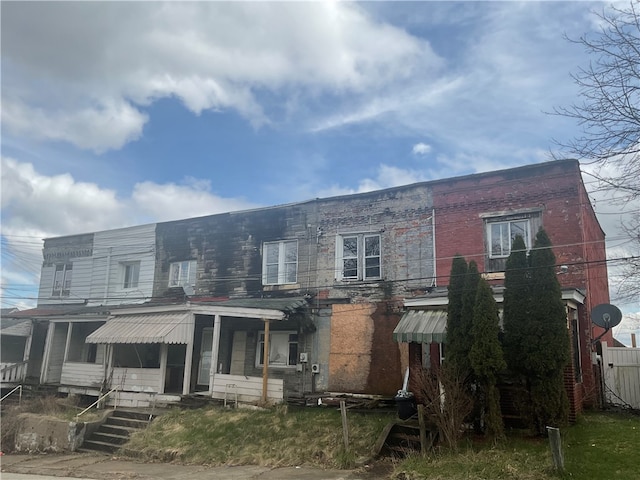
422 326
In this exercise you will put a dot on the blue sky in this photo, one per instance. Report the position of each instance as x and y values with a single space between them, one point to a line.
121 113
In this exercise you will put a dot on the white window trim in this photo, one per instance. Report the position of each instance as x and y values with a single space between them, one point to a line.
282 271
507 221
66 268
272 333
191 270
124 275
361 258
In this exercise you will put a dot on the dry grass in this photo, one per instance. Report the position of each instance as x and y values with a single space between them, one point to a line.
275 437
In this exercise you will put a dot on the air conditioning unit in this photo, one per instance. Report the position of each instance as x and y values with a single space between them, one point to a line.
304 357
315 368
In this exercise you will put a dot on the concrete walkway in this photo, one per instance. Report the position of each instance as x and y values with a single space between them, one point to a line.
102 467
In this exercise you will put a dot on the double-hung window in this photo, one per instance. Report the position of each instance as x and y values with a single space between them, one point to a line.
502 234
283 349
62 280
182 274
280 262
358 257
131 274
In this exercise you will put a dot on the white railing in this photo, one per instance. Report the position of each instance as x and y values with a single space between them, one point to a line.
19 388
14 372
99 401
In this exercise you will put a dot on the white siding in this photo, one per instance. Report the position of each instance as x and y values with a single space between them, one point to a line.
111 250
249 389
80 283
82 374
137 379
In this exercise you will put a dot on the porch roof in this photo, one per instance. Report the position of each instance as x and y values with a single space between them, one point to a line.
19 327
145 328
422 326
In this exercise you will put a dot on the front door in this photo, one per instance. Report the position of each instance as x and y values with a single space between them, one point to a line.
205 356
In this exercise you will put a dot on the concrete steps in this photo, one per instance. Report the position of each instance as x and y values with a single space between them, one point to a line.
116 430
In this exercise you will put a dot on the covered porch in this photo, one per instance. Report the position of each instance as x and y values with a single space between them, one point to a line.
235 349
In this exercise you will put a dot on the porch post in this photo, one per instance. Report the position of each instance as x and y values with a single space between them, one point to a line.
188 359
215 349
27 347
164 350
265 361
68 342
47 352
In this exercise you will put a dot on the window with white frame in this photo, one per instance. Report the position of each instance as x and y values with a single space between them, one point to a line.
283 349
62 280
501 235
182 274
280 262
130 274
358 257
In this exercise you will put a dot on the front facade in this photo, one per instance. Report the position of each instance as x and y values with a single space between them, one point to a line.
296 298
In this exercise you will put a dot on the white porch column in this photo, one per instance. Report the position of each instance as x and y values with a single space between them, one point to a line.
47 352
215 349
67 343
265 359
164 348
27 346
188 359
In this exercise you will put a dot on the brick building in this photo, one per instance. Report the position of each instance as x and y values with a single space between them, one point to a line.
303 297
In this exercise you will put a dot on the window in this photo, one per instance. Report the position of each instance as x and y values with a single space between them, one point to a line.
358 257
62 280
501 231
182 274
283 349
502 234
280 263
131 273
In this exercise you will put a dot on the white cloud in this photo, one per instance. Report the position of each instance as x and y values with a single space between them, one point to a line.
171 201
387 176
102 61
421 149
37 206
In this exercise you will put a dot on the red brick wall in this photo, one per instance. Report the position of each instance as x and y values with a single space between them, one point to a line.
555 188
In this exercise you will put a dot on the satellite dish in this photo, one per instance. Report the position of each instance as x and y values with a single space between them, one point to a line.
606 316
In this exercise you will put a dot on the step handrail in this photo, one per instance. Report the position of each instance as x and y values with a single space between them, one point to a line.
97 402
19 387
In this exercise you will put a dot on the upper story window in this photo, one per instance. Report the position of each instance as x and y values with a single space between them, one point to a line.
283 349
502 234
358 257
501 231
182 274
62 280
131 274
280 262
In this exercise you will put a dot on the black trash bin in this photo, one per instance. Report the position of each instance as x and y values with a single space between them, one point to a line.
406 404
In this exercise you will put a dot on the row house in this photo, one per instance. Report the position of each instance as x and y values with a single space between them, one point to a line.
332 294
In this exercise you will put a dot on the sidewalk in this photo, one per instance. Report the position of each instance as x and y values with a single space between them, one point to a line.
102 467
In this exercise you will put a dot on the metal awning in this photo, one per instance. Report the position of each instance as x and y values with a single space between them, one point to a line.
422 326
145 328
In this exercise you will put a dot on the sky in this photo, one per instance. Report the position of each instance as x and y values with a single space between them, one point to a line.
124 113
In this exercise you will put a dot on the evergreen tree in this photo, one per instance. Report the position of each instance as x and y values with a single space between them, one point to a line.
549 350
486 358
457 348
516 306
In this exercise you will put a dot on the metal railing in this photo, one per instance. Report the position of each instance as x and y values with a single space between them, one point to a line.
19 388
97 403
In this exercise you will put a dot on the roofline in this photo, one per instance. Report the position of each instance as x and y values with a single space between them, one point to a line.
533 166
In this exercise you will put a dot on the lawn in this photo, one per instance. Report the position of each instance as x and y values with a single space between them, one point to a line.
600 446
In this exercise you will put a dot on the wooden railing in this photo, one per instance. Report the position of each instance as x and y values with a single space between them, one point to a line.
14 372
98 403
